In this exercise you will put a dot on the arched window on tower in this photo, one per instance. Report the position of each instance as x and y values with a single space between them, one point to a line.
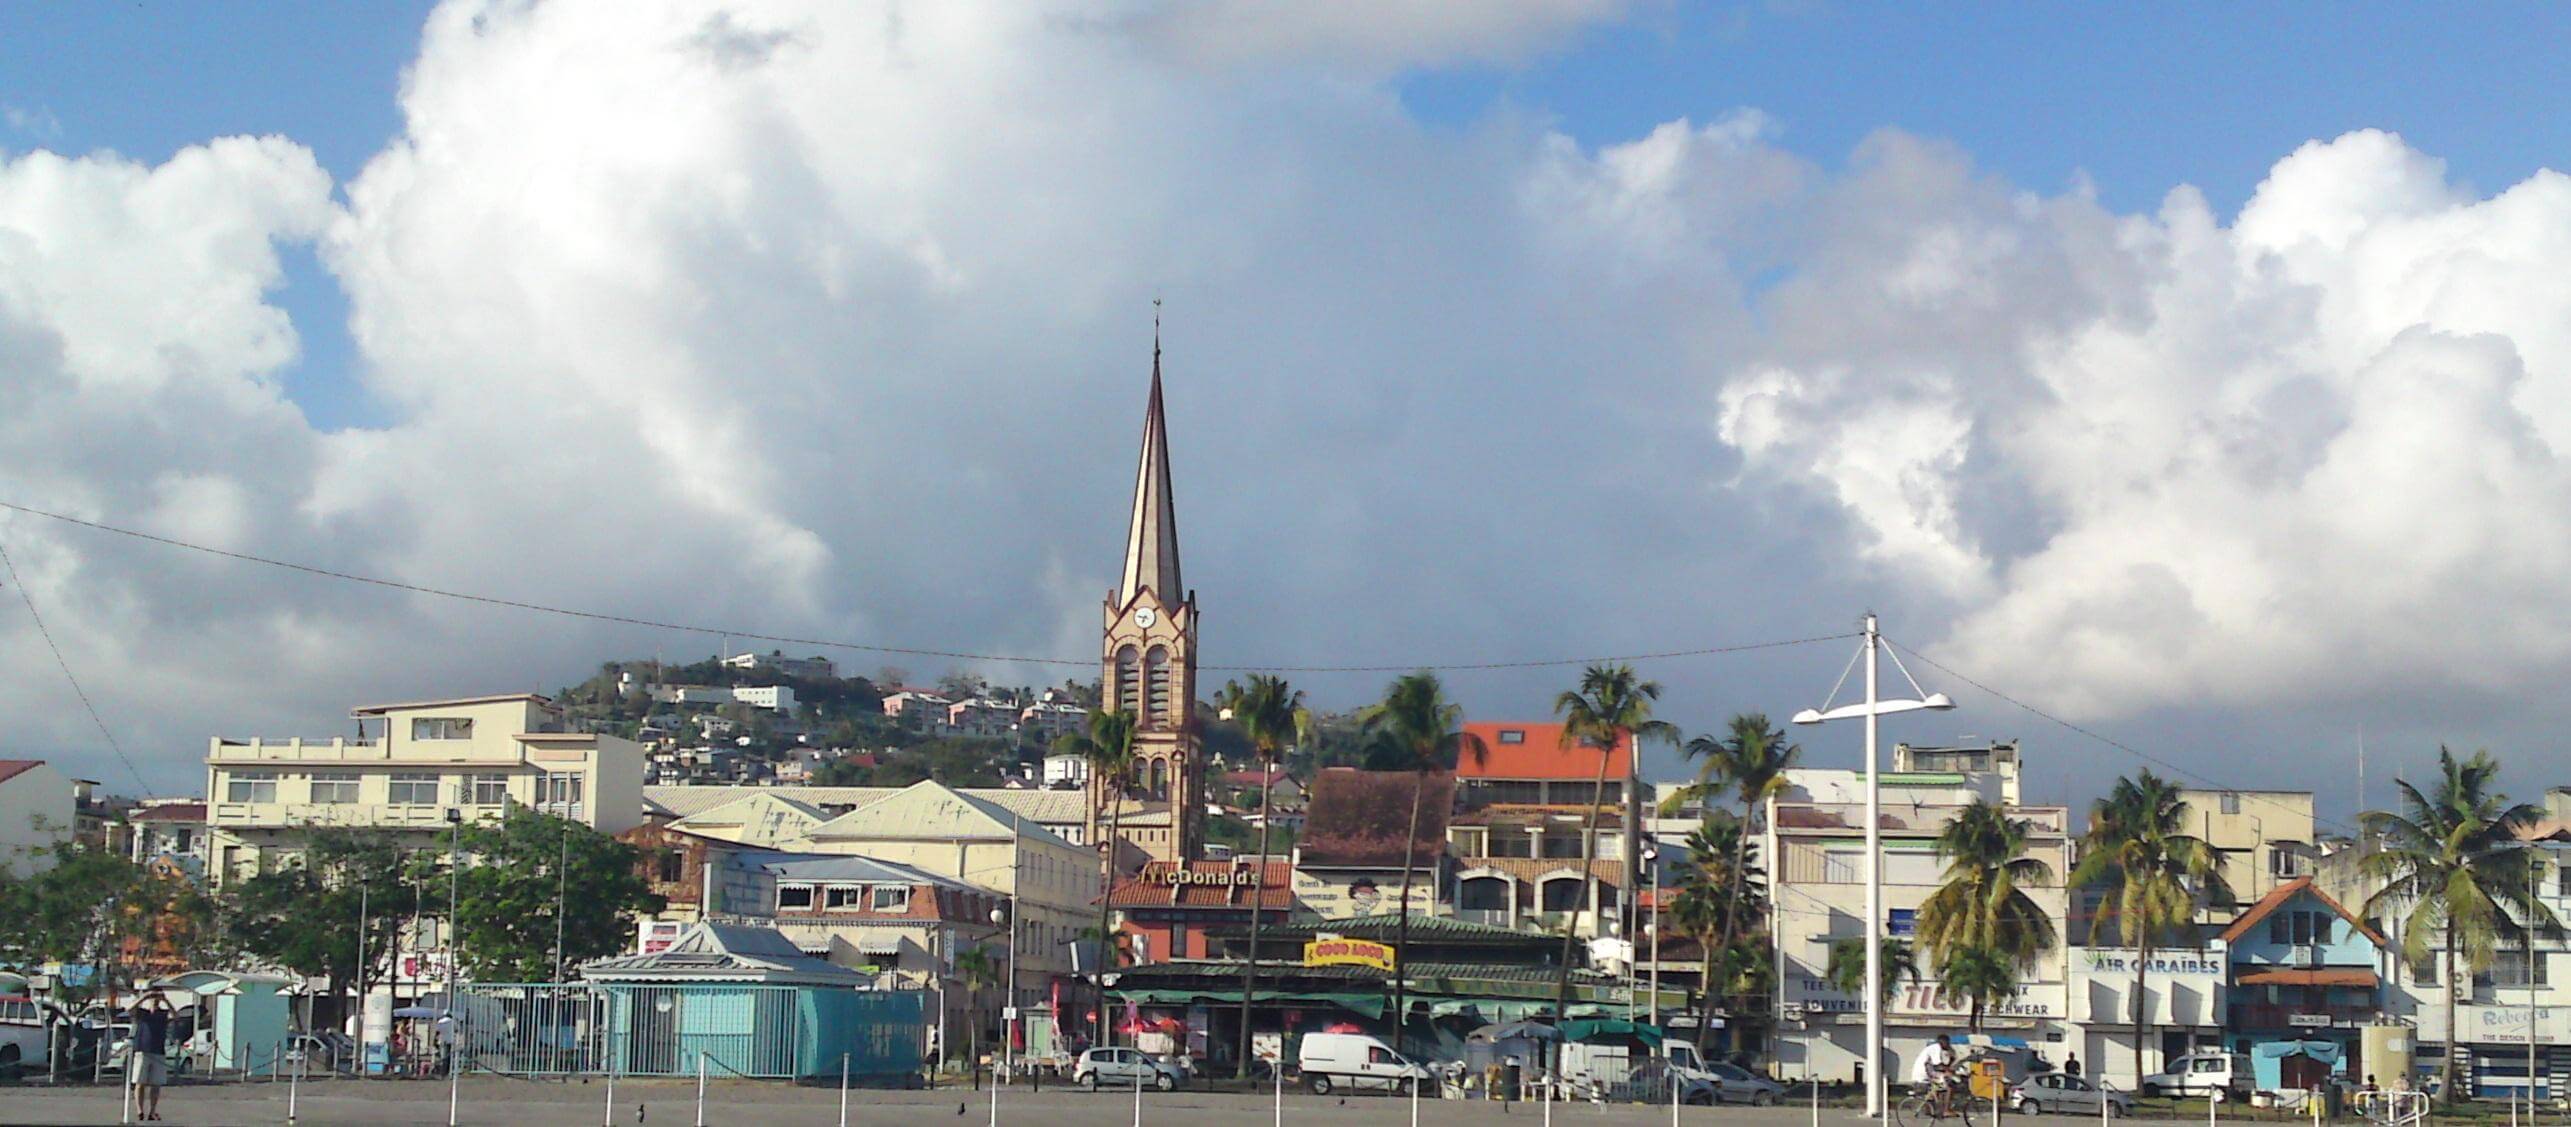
1156 682
1129 683
1159 778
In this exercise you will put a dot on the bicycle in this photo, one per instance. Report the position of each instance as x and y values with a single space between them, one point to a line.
1935 1104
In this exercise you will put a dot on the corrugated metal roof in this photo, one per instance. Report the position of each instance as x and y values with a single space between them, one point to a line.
932 809
862 869
1053 807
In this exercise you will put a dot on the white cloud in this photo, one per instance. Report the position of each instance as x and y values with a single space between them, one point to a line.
2309 454
832 321
1385 35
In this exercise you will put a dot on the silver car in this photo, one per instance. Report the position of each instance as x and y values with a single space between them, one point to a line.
1742 1086
1123 1068
2053 1091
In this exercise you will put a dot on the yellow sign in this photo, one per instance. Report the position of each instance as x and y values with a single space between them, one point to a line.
1348 953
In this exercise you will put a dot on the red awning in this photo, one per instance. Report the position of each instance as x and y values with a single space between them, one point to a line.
2288 977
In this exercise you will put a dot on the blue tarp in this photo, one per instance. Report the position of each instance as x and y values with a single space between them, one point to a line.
2327 1052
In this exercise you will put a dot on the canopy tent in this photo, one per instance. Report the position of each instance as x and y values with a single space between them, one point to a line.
1591 1030
2327 1052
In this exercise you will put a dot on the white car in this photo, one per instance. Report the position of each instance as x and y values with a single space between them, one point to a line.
2053 1091
2202 1073
1123 1068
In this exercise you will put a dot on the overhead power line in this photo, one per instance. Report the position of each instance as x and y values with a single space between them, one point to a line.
2129 749
29 597
870 647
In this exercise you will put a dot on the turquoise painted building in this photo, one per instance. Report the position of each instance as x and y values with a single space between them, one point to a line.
2305 978
745 1001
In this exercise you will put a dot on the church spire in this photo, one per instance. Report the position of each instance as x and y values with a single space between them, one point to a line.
1151 541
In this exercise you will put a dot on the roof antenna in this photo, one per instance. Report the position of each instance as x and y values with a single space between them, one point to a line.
1156 332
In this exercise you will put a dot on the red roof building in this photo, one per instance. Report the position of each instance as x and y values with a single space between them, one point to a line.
1536 751
1170 908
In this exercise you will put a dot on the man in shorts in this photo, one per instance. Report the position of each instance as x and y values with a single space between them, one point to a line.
147 1065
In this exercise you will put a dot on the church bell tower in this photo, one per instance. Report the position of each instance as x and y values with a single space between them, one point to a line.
1148 665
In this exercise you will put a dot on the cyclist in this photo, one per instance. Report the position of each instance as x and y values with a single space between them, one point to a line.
1934 1072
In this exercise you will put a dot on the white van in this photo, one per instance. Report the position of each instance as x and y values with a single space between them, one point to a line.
2202 1073
1331 1061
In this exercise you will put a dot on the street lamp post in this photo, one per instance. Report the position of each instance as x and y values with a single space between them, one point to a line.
1651 930
1009 996
1872 709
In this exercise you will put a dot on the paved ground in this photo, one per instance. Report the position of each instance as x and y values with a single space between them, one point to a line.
498 1102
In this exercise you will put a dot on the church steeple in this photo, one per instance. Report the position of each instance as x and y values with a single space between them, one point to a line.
1151 541
1147 669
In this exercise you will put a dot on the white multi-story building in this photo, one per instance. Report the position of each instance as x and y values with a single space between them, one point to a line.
1814 840
982 716
809 668
470 758
37 812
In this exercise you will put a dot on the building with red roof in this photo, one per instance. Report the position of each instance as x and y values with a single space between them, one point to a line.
1170 909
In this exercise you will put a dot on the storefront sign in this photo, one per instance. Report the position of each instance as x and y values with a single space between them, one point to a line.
1221 878
1348 953
2185 987
2502 1024
2308 1021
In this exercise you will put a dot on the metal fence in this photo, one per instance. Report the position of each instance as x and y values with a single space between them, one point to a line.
764 1031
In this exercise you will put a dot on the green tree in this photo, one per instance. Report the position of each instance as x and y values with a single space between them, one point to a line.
1983 905
1721 898
2138 853
1108 746
2453 858
1846 970
539 895
1610 704
1983 976
310 913
78 908
1270 713
980 972
1747 765
1417 727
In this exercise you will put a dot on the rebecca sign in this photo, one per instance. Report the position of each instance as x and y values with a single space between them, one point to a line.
1348 953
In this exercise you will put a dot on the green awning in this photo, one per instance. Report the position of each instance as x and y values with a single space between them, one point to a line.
1584 1030
1364 1005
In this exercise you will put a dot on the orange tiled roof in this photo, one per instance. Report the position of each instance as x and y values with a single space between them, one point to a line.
1154 887
1535 751
2284 892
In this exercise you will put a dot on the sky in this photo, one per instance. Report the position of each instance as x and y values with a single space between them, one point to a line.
2192 380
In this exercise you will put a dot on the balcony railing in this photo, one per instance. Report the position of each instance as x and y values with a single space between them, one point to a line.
1494 917
1840 817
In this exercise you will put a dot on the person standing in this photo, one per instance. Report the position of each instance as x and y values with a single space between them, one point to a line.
2071 1065
147 1065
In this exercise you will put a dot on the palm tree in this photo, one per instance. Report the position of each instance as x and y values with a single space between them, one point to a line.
1611 703
2150 871
1418 727
1982 906
1271 713
1981 975
980 972
1749 765
2454 857
1715 901
1846 972
1108 746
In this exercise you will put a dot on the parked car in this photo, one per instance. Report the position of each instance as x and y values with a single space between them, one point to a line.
26 1029
2202 1073
1742 1086
1123 1068
1357 1061
2053 1091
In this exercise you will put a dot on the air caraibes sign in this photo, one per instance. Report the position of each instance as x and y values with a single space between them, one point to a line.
1348 953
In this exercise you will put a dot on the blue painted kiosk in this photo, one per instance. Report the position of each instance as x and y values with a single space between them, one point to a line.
745 1001
245 1015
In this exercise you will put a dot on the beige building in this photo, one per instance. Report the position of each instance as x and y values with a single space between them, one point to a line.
1814 834
414 764
1053 883
37 812
2265 838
